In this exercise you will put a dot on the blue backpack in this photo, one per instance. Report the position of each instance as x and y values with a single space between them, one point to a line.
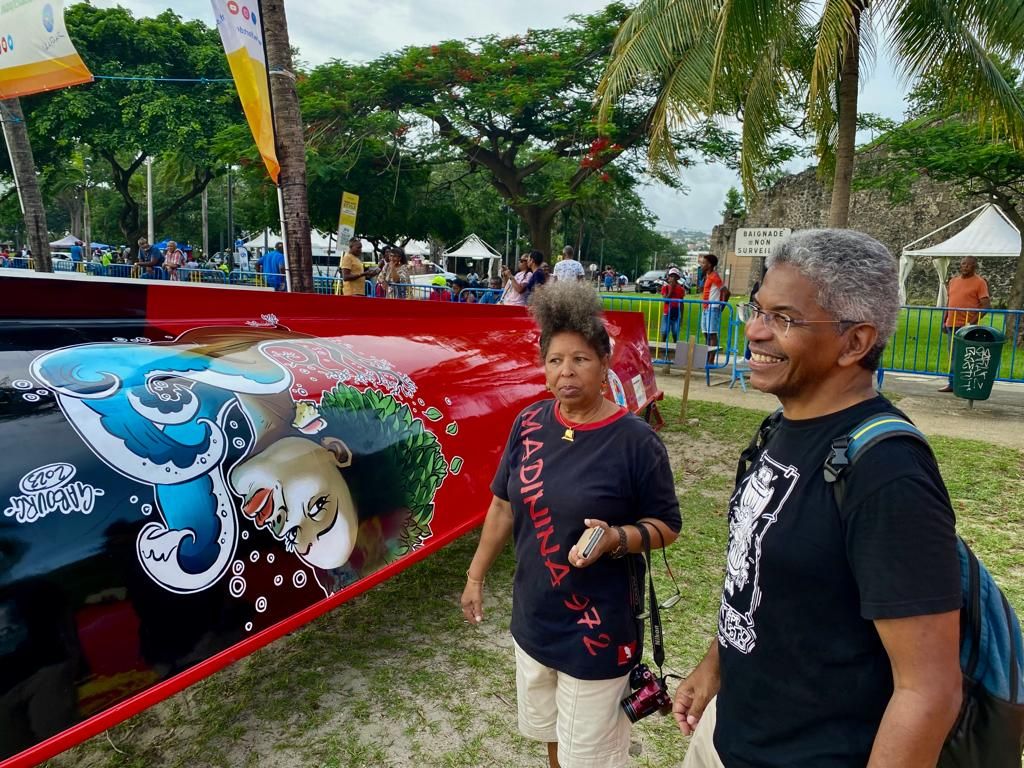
989 731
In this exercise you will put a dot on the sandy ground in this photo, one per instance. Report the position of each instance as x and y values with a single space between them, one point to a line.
999 420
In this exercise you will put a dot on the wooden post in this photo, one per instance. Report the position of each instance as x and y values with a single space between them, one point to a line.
686 376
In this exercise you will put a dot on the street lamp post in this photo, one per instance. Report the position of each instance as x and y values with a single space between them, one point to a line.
149 199
231 214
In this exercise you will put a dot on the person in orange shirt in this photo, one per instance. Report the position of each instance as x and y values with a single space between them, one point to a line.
967 291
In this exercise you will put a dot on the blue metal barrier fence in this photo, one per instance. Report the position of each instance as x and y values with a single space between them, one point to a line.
920 344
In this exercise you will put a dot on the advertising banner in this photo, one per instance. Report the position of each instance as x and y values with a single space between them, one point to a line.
242 35
347 219
36 53
177 493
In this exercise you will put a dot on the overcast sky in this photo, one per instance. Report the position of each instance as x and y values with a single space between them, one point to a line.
360 30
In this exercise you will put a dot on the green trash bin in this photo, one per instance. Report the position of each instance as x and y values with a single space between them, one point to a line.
977 353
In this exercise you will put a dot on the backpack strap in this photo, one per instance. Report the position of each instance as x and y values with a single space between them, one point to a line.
845 450
757 443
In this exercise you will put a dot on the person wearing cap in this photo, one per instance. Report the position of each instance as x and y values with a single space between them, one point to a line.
672 294
439 289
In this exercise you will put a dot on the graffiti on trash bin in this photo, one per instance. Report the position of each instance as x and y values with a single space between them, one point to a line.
974 368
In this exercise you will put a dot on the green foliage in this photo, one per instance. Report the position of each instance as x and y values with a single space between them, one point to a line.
123 121
768 63
398 463
734 206
976 161
520 110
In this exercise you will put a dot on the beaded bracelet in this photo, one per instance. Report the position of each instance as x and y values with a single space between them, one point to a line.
623 547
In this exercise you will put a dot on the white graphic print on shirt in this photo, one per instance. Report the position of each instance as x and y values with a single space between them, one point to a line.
753 510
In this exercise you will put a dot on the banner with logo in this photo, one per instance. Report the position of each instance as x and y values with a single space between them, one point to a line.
36 53
347 219
242 36
177 493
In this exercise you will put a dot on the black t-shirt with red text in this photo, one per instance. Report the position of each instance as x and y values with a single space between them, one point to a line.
579 621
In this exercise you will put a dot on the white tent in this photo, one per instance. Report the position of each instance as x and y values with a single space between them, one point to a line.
474 249
990 235
65 242
267 238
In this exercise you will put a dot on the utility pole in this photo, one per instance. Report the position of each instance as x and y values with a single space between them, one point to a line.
231 215
290 145
206 224
149 200
508 230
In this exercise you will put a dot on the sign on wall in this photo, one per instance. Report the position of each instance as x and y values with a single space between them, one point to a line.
759 242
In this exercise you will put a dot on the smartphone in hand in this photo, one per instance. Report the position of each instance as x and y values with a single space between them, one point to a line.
588 541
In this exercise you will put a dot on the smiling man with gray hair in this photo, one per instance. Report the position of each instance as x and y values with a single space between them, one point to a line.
838 627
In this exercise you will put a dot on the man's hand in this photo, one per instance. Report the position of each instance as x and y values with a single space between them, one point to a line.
694 693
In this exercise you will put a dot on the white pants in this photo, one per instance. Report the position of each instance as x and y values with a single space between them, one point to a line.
584 716
702 752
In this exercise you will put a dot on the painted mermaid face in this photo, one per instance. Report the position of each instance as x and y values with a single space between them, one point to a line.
295 490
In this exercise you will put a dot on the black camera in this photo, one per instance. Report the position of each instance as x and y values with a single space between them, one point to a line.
649 695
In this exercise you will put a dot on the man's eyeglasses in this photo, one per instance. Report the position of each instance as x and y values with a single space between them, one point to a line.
778 322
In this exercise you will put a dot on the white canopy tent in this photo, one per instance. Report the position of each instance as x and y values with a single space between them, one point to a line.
267 238
990 235
474 249
65 242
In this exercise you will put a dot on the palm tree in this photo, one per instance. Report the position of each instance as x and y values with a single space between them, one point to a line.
705 53
291 146
24 166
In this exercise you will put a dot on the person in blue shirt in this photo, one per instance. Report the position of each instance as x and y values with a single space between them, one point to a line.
151 260
271 265
77 254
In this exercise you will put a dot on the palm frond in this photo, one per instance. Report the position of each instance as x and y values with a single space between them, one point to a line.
761 115
682 99
650 43
934 37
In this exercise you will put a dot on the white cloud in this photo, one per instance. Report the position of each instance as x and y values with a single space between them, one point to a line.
360 30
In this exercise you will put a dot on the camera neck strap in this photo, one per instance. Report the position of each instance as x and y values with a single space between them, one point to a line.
657 637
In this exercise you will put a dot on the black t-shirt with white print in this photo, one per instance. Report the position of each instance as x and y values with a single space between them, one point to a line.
579 621
805 678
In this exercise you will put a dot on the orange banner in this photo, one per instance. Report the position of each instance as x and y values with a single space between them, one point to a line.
242 36
36 53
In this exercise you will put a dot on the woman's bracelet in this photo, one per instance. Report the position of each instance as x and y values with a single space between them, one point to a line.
623 547
471 580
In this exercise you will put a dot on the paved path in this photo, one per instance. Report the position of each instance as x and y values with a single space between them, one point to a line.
998 420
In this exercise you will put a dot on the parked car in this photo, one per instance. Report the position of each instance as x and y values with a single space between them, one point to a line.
423 274
651 282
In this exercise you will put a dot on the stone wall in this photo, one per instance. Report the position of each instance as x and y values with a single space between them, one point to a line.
801 201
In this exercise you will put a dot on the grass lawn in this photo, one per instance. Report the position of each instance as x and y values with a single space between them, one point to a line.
395 678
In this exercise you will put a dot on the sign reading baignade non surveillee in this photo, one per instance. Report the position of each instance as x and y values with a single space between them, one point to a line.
759 242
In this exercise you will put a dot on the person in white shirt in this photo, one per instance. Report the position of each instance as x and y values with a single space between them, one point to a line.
241 256
568 268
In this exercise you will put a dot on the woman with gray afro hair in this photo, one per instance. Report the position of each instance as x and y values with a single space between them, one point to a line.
572 307
579 479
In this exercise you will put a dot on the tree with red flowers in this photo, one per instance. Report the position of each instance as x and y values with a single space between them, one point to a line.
522 110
